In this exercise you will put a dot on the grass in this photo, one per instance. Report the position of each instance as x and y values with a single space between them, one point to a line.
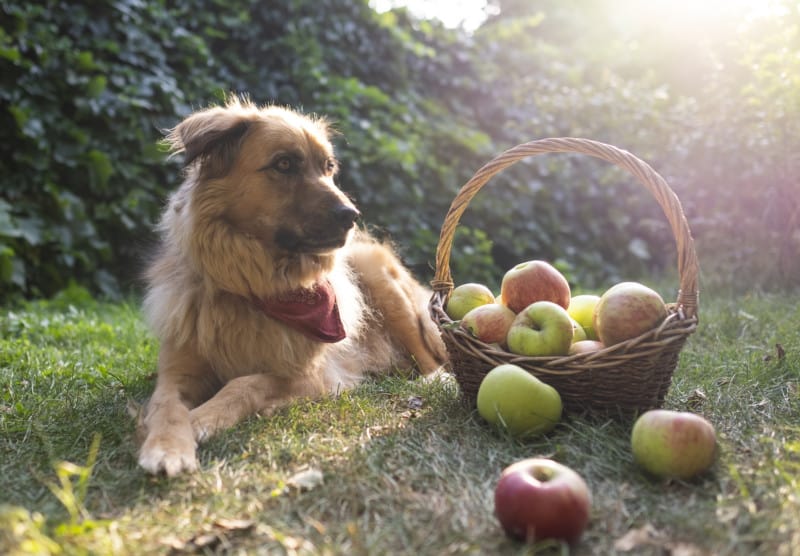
392 467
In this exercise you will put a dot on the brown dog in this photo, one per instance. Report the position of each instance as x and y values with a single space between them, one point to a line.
262 291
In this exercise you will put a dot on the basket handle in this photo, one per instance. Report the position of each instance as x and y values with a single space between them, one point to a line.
687 301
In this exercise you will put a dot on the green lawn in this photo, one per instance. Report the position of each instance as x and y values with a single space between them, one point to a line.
393 467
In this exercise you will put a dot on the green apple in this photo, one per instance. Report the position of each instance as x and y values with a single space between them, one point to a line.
489 323
541 329
627 310
673 443
578 333
466 297
581 308
533 281
513 399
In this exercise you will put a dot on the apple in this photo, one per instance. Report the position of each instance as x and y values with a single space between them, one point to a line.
585 346
466 297
578 333
533 281
489 323
511 398
626 311
670 443
541 329
581 308
538 498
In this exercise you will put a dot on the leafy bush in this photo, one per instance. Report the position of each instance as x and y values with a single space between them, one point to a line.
86 90
742 168
85 93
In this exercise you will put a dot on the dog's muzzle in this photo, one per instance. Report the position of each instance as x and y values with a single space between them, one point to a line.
320 235
345 216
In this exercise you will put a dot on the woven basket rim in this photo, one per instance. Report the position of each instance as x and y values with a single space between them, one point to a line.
687 302
672 329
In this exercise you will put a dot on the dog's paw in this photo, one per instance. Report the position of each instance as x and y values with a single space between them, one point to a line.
169 455
205 423
440 376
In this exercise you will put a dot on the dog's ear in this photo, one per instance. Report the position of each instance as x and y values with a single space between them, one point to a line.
212 137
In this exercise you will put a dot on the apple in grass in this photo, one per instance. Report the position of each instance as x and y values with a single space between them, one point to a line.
541 329
533 281
581 309
511 398
489 323
466 297
627 310
538 498
673 443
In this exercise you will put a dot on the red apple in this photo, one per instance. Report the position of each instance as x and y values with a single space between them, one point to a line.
673 443
538 498
489 323
533 281
627 310
585 346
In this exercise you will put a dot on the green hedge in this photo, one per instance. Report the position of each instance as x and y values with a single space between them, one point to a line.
86 90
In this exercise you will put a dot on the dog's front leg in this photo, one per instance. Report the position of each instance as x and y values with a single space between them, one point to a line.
247 395
184 380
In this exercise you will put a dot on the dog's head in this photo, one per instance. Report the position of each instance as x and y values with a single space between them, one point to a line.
268 173
260 191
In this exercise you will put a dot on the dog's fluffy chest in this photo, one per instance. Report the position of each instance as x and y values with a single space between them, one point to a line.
244 340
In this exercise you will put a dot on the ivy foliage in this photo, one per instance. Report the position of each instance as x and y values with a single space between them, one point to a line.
84 92
87 89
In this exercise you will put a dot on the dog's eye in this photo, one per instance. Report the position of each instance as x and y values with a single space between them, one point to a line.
285 165
331 166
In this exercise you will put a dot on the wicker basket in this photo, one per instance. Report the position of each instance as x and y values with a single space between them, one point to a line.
623 379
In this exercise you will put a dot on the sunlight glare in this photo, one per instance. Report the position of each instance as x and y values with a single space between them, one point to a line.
706 12
468 14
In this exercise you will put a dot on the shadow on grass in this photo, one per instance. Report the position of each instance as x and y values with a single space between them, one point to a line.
415 474
394 466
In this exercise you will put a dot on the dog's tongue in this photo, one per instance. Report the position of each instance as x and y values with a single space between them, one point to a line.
313 311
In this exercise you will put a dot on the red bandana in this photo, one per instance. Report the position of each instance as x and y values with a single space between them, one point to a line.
313 311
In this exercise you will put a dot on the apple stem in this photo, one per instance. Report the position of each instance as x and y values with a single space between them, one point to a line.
543 475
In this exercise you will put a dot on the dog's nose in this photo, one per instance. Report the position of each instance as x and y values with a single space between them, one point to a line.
345 215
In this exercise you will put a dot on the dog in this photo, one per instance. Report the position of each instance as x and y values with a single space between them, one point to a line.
264 289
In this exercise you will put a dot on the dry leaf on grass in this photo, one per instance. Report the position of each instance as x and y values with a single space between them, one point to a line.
415 402
696 399
305 479
234 524
195 544
647 535
780 354
685 549
209 537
